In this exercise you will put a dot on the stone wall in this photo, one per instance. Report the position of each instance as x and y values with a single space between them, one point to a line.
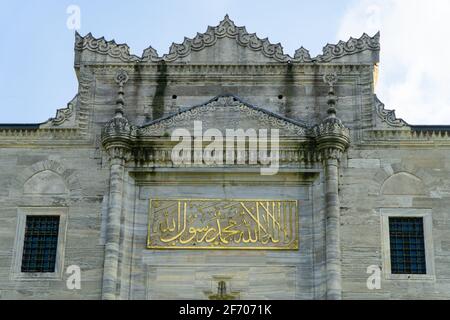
389 168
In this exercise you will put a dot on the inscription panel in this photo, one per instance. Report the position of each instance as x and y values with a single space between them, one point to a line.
223 224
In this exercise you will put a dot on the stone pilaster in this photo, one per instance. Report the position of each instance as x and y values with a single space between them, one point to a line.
110 270
116 137
333 250
331 150
332 139
116 141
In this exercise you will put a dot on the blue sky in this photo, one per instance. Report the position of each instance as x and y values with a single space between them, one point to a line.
36 60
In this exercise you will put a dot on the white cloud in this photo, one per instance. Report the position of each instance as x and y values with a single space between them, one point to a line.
415 54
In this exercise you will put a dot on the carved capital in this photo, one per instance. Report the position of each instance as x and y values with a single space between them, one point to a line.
331 127
117 127
116 138
119 152
332 138
331 153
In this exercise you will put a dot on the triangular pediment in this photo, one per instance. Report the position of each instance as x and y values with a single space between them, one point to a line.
225 112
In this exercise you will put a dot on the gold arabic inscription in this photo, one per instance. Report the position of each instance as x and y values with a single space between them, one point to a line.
223 224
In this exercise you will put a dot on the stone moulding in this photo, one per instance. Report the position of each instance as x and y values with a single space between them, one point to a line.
411 137
226 29
161 156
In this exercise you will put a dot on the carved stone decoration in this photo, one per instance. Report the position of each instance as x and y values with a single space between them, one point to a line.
121 77
116 137
302 55
150 55
334 127
119 152
110 48
388 116
330 78
46 182
332 137
85 96
270 119
63 114
352 46
70 182
226 28
117 126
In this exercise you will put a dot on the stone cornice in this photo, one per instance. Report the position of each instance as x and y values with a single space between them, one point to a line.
393 136
160 155
256 71
226 29
51 133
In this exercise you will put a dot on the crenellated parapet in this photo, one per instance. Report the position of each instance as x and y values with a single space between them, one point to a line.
351 47
362 50
104 47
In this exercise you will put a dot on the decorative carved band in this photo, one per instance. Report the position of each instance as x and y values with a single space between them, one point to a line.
228 29
352 46
101 46
388 116
233 103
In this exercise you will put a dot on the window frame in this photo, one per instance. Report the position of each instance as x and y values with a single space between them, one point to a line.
426 215
16 267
